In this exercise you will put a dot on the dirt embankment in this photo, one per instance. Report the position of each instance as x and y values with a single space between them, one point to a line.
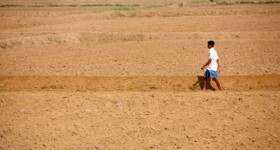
138 84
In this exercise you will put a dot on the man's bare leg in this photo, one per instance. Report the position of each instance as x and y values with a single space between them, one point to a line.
204 83
218 84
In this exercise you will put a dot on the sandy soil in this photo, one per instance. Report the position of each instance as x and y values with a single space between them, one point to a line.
161 41
99 78
86 120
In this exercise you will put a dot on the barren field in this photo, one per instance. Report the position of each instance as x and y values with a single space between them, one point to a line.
126 75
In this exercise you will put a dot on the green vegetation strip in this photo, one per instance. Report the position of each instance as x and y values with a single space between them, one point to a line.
236 1
10 5
84 5
134 6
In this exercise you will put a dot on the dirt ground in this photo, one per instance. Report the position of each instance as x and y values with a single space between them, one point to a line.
81 76
120 120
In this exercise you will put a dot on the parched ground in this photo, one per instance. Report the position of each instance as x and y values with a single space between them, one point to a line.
128 76
165 41
114 120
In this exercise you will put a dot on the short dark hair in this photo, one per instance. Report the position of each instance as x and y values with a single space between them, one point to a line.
212 43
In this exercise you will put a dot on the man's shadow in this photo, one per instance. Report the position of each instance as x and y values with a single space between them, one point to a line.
199 83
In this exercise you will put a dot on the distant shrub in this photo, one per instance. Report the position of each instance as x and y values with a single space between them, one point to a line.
73 5
53 5
36 5
121 8
181 4
271 2
96 5
4 45
9 5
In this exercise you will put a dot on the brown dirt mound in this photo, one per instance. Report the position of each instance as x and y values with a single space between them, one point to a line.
47 38
139 84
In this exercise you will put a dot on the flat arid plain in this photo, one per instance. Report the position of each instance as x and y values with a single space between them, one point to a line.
126 74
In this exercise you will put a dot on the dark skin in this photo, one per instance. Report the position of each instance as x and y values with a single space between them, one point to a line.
206 78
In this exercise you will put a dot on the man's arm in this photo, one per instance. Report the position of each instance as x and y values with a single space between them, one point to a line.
207 63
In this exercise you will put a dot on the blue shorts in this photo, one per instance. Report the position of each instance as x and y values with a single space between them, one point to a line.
211 73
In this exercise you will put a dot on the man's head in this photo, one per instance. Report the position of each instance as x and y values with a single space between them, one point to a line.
211 44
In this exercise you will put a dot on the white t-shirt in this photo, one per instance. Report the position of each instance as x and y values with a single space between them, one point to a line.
212 54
